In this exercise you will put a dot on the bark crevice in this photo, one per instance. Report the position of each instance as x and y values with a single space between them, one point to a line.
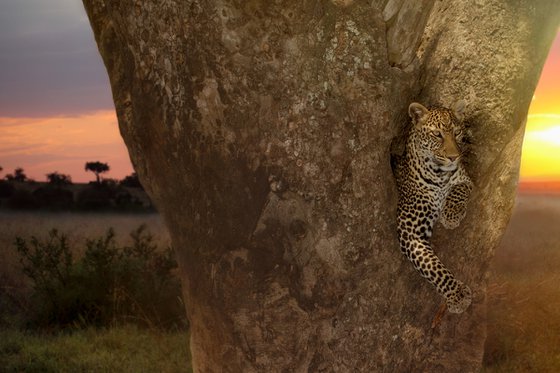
405 21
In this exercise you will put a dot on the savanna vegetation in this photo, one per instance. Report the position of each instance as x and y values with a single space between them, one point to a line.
59 193
87 297
117 349
127 336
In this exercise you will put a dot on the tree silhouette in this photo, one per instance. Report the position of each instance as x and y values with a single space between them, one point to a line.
6 189
131 181
18 175
97 168
56 179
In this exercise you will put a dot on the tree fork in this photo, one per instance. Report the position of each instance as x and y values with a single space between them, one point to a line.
263 130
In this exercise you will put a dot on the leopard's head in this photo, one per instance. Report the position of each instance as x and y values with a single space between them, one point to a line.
438 133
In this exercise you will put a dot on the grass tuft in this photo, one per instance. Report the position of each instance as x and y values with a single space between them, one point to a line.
119 349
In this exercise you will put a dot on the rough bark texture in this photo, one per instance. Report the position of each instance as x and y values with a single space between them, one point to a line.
264 130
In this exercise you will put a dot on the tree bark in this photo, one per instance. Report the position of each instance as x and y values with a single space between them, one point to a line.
263 130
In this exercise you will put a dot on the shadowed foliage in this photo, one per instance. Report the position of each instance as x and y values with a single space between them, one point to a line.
110 284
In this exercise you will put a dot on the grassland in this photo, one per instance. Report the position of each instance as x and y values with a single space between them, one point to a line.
523 314
524 291
120 349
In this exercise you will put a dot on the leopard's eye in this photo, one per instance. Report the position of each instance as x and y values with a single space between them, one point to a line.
437 133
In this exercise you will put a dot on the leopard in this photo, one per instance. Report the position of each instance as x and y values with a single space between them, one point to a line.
433 186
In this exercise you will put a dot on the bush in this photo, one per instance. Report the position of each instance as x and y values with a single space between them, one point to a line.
54 198
49 266
125 201
95 197
22 199
132 181
108 286
59 180
108 195
7 189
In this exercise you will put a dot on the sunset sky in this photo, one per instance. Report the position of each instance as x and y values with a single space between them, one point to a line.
56 111
541 146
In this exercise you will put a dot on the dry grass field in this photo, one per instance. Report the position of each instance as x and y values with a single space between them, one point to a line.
524 291
523 315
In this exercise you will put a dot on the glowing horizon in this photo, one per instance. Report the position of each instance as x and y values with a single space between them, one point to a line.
63 144
56 111
41 145
541 145
540 160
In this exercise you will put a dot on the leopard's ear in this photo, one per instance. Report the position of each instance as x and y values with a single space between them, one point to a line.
459 109
418 113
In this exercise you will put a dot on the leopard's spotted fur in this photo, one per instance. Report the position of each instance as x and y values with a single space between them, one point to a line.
433 185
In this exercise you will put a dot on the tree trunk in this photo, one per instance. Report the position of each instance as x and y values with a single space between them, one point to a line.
263 130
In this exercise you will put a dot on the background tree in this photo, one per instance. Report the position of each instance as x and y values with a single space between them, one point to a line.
263 131
59 180
6 188
131 181
18 175
54 196
97 168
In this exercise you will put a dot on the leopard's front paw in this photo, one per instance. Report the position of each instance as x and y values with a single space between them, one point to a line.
452 215
459 299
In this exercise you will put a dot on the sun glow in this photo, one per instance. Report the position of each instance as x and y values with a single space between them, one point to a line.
541 146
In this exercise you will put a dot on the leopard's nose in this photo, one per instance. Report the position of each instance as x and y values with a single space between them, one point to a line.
452 158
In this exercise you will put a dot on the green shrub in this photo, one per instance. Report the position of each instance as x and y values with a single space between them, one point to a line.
154 275
108 285
57 288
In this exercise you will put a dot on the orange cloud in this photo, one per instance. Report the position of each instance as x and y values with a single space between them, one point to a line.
63 144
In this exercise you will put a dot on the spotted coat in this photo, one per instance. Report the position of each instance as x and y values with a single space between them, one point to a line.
433 185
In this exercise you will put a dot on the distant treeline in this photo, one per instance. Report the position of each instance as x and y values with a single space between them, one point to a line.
58 193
